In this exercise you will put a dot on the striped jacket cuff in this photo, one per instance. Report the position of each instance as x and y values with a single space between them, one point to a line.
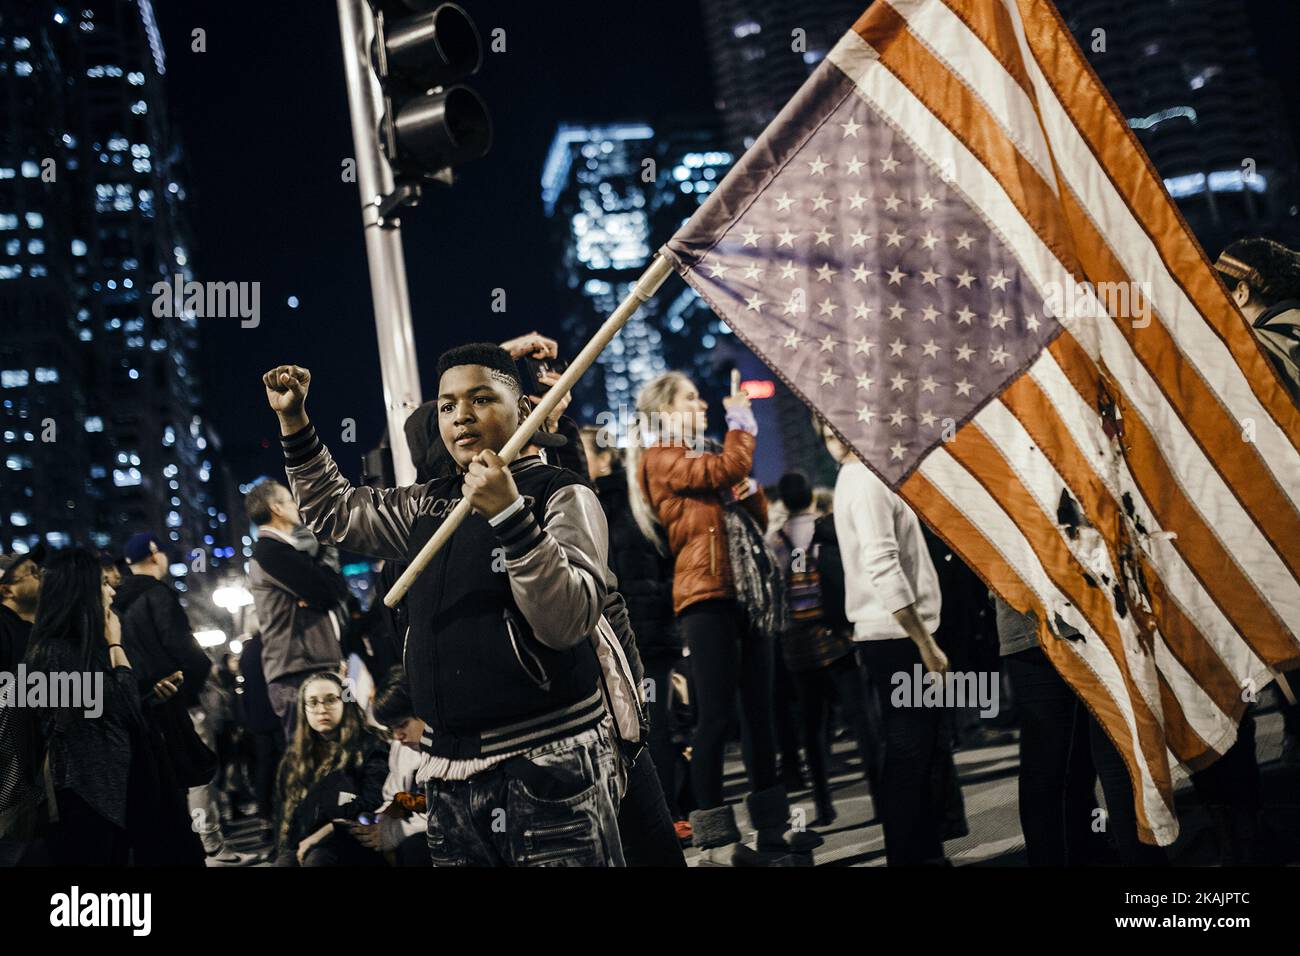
519 533
300 447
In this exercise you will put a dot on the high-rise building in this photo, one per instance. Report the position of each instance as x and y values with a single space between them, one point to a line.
101 425
761 51
1186 74
616 192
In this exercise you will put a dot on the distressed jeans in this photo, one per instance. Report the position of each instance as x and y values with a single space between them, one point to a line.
556 805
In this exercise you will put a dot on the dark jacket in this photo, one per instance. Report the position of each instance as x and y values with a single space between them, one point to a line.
499 653
686 490
830 568
294 638
645 575
157 638
92 756
1278 332
259 718
341 795
14 632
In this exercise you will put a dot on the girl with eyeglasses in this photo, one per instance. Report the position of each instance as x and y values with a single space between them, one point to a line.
331 780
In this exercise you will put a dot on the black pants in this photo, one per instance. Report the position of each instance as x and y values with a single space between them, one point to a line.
1232 781
337 849
659 744
917 766
725 657
84 838
268 747
1063 751
644 824
817 688
785 701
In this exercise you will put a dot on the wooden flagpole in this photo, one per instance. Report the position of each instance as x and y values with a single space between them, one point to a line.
644 289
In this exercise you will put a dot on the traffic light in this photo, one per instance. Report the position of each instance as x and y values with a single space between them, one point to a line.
430 122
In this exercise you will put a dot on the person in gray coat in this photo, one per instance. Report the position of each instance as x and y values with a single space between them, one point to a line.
299 599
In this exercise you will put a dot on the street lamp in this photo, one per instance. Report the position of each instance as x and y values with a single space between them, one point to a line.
233 598
212 638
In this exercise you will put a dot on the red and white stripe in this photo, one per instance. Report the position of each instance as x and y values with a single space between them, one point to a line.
993 491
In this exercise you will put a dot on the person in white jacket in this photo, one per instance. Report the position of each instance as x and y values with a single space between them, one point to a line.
891 594
398 831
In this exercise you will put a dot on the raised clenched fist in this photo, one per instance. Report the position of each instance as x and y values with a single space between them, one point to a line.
286 391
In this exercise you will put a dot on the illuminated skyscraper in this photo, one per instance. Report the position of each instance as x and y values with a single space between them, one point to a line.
616 192
91 217
761 51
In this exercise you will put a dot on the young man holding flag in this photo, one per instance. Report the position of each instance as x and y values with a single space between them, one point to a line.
522 769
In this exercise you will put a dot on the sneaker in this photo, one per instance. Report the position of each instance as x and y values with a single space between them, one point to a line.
228 857
684 833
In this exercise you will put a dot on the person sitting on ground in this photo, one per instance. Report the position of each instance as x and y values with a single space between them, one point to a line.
398 832
331 780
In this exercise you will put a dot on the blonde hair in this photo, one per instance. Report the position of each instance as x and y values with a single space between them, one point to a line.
655 396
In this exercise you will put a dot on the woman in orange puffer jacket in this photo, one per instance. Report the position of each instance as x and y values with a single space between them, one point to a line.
677 486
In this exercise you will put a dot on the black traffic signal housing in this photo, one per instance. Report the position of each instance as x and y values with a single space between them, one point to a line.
430 122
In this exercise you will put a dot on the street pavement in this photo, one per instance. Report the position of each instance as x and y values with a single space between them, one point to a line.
988 780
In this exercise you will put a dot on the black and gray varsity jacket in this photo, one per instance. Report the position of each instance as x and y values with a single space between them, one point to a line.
497 654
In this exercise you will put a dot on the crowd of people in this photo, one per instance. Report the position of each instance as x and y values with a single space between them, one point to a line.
560 684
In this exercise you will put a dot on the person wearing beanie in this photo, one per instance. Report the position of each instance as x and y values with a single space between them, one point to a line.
172 670
20 593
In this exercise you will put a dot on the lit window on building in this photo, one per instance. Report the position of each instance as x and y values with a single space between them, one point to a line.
13 247
126 477
18 519
22 43
18 462
57 539
135 78
38 271
47 376
8 220
13 378
35 220
35 247
22 68
78 247
98 471
94 424
7 172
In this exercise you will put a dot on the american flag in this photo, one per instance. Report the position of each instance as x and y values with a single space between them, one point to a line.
950 244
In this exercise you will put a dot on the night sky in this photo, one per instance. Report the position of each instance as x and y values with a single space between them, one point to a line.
263 119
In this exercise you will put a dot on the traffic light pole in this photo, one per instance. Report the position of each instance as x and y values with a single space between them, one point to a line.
392 302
